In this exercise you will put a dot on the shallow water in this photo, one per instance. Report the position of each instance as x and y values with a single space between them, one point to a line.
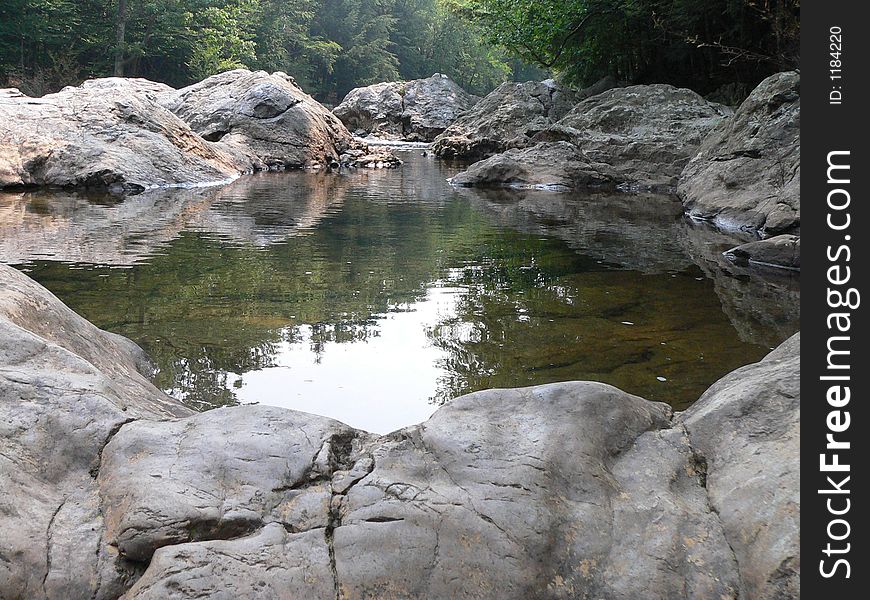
372 297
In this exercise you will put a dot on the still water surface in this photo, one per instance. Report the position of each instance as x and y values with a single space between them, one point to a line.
373 297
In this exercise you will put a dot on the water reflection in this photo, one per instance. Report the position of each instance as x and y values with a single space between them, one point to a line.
374 296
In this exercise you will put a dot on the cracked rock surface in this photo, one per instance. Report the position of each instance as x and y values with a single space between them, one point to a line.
746 174
416 110
568 490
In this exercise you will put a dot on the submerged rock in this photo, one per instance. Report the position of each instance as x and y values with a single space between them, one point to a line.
746 174
546 491
763 305
104 133
505 118
637 137
416 110
782 251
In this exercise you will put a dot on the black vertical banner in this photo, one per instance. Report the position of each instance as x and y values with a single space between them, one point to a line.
835 421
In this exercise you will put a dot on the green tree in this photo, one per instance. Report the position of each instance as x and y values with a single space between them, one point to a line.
695 43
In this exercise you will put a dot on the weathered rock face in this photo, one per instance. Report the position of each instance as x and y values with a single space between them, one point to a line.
550 165
638 137
105 133
746 174
506 118
415 110
781 251
264 121
747 429
545 492
65 389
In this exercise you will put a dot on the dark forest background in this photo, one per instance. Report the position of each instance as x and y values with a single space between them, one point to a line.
722 47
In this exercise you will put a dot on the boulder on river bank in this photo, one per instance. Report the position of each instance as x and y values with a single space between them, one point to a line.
746 174
637 137
110 488
104 133
264 120
506 118
135 134
415 111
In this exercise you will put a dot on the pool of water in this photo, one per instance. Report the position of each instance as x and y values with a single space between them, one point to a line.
375 296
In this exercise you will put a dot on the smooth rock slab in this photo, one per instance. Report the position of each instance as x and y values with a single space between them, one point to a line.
746 174
538 492
217 475
66 388
269 564
557 166
746 428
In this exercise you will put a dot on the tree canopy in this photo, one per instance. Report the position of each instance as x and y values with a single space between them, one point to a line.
331 46
701 44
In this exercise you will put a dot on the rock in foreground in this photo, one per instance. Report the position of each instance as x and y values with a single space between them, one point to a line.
105 133
416 110
637 137
746 174
746 428
559 166
506 118
65 389
544 492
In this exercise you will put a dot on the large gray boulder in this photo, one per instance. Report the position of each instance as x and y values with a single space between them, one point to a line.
559 166
559 491
637 137
66 388
104 133
497 495
505 118
130 135
746 429
416 110
263 120
746 174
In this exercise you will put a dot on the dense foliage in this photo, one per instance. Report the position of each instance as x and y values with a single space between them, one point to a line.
330 46
701 44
